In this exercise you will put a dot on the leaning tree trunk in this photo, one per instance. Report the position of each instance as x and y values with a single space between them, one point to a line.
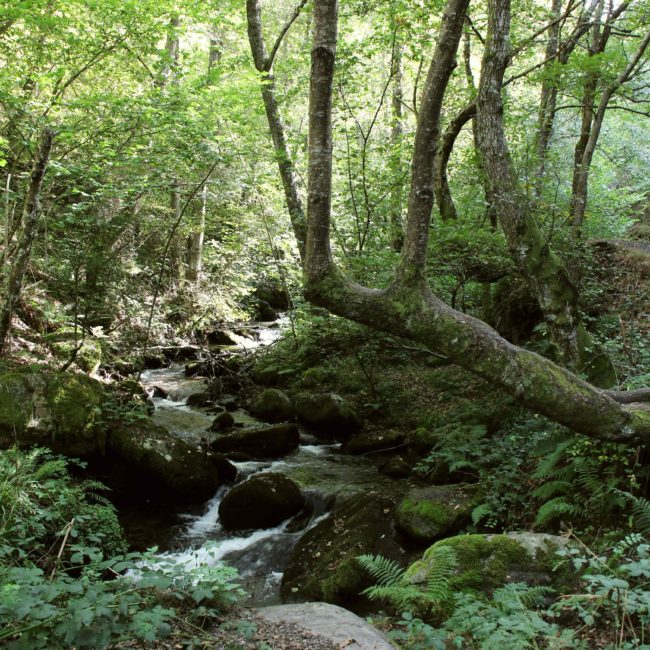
408 308
31 212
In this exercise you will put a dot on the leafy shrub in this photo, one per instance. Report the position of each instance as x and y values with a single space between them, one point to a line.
39 500
88 611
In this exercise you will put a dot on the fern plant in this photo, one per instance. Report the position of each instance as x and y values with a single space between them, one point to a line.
581 479
393 586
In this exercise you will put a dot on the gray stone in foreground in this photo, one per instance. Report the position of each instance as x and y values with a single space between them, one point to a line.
331 621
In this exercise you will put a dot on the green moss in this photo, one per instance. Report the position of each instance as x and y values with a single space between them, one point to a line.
430 513
486 562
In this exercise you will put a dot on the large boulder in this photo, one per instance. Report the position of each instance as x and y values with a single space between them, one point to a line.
323 564
162 466
486 562
258 443
63 411
272 405
430 513
58 410
343 628
276 297
328 414
262 501
374 441
64 343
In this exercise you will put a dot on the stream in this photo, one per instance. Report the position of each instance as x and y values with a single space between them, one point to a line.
321 470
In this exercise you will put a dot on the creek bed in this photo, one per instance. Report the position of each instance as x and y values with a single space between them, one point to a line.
321 471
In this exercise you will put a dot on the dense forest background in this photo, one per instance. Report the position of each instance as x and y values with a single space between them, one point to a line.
172 171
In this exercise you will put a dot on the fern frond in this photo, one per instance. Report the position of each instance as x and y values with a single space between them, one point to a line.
385 572
551 489
640 511
556 508
481 512
442 563
548 466
403 596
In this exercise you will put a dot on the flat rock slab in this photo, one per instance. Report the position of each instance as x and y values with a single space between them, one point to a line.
330 621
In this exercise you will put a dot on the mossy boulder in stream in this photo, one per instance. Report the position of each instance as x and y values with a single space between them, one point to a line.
323 564
486 562
162 466
273 405
53 409
327 414
262 501
261 442
430 513
63 411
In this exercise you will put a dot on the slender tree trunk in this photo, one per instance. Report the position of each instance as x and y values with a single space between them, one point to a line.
30 215
176 247
396 137
548 96
195 243
589 138
264 65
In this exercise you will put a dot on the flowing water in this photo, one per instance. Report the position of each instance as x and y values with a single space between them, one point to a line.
321 470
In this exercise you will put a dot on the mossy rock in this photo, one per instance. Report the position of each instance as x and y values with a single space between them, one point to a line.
327 414
62 343
323 564
162 467
58 410
486 562
430 513
273 406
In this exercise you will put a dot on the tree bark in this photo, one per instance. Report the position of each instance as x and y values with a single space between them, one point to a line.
589 138
396 136
31 212
536 260
408 308
264 65
195 243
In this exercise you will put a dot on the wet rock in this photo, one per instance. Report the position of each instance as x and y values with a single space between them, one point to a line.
58 410
343 628
367 443
159 392
430 513
199 399
180 352
396 467
160 466
262 501
154 361
486 562
275 296
222 337
261 442
323 564
62 411
273 406
264 312
227 471
230 404
223 422
328 414
193 369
